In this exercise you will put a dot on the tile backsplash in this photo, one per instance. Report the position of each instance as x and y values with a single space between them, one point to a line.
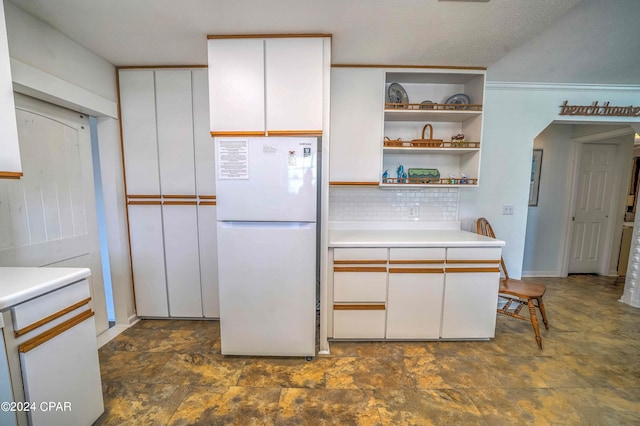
370 203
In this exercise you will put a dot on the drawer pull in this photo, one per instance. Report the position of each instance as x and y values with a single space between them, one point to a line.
50 334
360 269
415 262
472 270
476 261
359 262
50 318
358 307
416 270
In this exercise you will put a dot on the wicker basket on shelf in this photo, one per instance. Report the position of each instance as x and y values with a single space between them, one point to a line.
427 143
392 142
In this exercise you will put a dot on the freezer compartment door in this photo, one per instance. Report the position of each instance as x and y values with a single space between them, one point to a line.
266 179
267 288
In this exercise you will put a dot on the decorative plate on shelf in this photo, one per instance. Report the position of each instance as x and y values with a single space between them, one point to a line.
458 99
427 105
397 94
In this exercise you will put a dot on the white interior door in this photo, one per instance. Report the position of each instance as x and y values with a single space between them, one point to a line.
48 217
591 211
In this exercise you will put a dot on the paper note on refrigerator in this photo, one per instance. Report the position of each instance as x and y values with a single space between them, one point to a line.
233 158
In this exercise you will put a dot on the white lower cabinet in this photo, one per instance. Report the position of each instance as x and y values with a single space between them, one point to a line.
180 226
471 293
359 293
147 258
52 351
416 285
358 321
415 293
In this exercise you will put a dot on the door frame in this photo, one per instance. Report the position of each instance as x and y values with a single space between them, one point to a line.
572 182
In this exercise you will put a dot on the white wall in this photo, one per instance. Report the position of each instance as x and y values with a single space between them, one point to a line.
47 65
514 115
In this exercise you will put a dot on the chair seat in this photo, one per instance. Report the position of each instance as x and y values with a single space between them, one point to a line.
521 289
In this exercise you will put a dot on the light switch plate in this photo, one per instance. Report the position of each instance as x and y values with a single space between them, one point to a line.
507 209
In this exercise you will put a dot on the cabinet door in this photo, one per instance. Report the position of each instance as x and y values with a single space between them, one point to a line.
294 82
138 107
175 132
414 306
416 286
236 85
66 370
207 233
180 225
10 165
202 140
147 257
357 96
470 301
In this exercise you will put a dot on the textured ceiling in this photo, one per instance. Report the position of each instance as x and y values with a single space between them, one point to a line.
171 32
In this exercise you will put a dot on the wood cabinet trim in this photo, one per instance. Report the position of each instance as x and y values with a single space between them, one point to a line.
249 134
227 36
10 175
359 262
415 262
144 196
294 133
361 307
50 318
416 270
465 270
359 269
55 331
144 203
207 203
340 183
207 197
474 261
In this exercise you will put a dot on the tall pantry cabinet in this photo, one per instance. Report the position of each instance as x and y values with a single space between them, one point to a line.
170 185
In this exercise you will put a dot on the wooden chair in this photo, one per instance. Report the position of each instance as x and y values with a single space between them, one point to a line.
516 293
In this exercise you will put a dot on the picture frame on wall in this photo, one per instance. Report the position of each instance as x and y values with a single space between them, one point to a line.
536 168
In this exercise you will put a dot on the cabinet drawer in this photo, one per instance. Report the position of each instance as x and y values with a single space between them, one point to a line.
359 284
58 303
473 254
427 255
360 254
358 321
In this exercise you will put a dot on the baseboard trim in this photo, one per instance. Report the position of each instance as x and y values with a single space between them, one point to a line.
108 335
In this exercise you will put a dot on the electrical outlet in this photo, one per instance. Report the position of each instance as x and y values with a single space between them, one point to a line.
414 211
507 209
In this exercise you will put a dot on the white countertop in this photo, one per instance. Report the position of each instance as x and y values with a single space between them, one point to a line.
18 285
409 238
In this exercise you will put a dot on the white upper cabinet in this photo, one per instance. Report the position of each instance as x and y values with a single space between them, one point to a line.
357 96
10 165
175 132
236 85
138 109
267 85
203 144
294 74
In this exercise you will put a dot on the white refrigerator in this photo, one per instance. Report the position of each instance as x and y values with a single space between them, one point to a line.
266 211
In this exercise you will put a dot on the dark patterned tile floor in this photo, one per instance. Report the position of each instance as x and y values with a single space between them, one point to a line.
171 372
